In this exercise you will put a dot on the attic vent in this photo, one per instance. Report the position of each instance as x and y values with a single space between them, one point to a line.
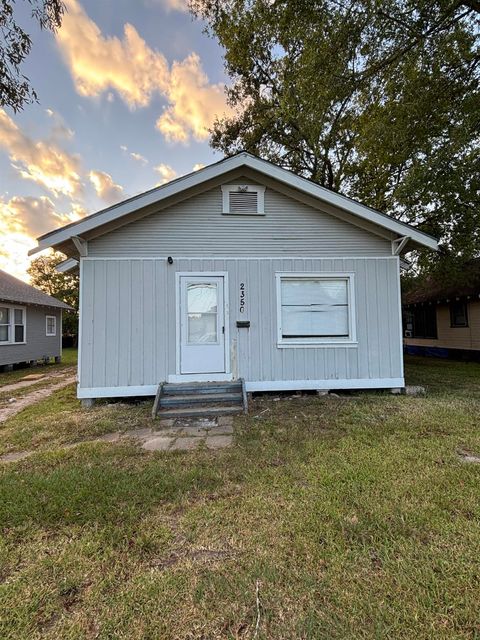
243 199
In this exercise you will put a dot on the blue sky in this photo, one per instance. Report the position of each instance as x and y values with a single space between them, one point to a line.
127 91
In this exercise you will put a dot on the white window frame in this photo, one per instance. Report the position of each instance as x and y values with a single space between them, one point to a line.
251 188
47 318
349 341
11 324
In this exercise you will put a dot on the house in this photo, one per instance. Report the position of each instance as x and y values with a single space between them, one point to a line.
443 318
241 270
30 323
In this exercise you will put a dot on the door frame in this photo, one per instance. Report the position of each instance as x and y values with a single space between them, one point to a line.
201 377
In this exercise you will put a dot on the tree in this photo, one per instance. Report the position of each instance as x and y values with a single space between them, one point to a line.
376 99
15 45
63 286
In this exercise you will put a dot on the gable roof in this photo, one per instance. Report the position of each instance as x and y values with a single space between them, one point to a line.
119 213
14 290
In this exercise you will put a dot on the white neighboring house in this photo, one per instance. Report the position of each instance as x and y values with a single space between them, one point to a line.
241 270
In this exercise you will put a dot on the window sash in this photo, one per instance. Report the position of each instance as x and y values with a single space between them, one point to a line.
51 326
12 324
458 314
315 308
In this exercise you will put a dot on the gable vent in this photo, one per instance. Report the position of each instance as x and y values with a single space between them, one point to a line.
243 199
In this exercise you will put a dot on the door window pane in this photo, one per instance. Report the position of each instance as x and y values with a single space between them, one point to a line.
202 297
202 301
202 328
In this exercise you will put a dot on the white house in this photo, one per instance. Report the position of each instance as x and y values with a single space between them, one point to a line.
239 271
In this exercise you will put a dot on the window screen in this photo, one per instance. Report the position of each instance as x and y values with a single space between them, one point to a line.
314 308
51 323
19 325
458 314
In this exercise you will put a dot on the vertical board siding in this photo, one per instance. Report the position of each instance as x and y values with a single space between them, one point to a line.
129 333
197 226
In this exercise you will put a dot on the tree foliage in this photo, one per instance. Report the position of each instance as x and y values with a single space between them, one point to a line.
63 286
376 99
16 44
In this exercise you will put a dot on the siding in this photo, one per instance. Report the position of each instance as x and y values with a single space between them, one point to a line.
38 344
128 321
197 227
453 337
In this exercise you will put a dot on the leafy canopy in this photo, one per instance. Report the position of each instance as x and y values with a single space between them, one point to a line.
16 44
63 286
376 99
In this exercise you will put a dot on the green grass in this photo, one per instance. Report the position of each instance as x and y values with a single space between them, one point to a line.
351 518
69 358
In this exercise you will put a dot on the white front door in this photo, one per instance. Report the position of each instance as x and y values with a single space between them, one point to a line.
202 324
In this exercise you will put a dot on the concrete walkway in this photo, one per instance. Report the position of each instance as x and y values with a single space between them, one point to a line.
183 434
173 435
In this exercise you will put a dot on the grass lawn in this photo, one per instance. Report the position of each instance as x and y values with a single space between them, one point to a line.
69 358
330 518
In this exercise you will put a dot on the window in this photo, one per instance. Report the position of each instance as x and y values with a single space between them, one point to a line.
51 325
315 309
421 322
243 199
12 324
458 314
202 313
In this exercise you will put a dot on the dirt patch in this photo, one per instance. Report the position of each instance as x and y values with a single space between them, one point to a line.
35 378
31 398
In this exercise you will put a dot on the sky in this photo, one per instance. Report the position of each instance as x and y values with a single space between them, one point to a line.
127 91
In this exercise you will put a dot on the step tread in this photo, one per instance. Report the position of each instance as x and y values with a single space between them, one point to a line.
199 411
201 397
189 389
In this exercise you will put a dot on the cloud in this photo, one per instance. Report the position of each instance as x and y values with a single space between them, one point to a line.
60 131
139 158
198 166
195 102
41 161
99 63
105 187
21 220
128 65
176 5
166 172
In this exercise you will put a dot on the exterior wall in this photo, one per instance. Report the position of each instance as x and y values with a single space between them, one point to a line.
197 227
38 344
465 338
128 325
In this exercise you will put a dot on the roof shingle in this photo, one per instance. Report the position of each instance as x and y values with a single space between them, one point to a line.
14 290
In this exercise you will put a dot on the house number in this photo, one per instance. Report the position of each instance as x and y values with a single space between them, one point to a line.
242 297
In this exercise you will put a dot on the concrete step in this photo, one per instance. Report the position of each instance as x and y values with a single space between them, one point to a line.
200 398
200 412
192 388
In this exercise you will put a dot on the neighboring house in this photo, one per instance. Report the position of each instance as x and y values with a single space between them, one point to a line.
241 270
30 323
444 319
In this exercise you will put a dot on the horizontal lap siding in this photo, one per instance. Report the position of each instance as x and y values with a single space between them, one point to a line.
38 344
449 337
129 321
197 227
